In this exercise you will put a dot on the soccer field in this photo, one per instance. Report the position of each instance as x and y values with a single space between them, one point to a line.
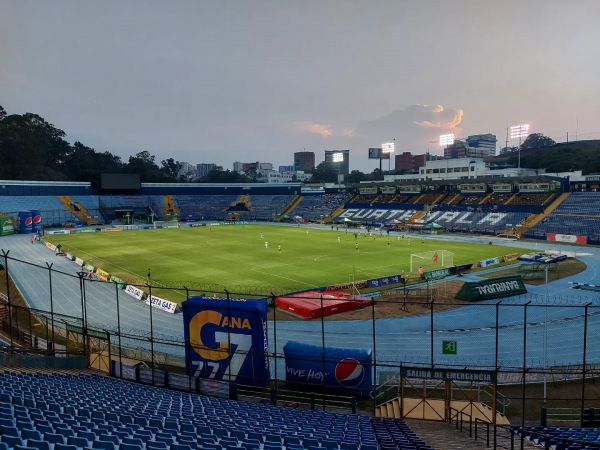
239 255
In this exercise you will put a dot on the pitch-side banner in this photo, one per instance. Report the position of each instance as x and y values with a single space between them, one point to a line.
226 339
343 369
567 238
492 288
162 304
134 292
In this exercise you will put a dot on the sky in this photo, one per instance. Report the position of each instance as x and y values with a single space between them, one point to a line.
223 81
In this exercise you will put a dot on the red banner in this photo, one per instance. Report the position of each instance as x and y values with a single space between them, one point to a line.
567 238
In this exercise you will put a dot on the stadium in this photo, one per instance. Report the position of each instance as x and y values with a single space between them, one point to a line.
263 316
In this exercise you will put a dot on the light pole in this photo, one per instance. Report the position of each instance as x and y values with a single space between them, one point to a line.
545 330
519 131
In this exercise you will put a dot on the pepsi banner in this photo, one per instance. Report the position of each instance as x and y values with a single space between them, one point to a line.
226 339
36 221
25 221
348 370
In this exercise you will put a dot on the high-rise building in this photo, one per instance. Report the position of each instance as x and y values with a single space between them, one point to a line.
485 142
304 161
204 169
339 160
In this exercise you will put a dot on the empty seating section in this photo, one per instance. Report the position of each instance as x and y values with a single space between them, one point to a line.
264 207
526 198
579 215
557 435
476 221
313 207
394 434
471 199
88 411
498 198
53 212
199 207
91 203
580 203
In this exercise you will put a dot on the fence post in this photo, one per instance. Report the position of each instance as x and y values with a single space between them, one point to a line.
544 416
10 331
51 304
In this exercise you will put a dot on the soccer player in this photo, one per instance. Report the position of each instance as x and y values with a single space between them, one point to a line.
435 258
339 239
279 248
356 246
266 244
421 272
408 241
261 235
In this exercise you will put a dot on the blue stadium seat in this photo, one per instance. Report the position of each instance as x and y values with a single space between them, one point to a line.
38 443
31 434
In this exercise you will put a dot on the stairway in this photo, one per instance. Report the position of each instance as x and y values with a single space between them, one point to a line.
169 208
290 206
532 221
81 212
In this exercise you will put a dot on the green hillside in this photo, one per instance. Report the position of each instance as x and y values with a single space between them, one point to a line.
579 155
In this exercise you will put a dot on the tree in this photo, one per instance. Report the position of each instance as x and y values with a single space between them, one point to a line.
356 176
537 140
171 168
324 172
508 150
143 163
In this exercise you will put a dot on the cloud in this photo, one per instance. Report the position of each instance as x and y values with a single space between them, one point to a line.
313 128
415 127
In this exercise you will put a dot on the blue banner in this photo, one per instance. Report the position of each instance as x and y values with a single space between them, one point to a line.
344 369
384 281
226 339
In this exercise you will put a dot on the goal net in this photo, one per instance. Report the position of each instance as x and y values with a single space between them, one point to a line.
432 260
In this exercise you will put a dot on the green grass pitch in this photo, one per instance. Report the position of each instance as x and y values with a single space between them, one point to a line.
236 255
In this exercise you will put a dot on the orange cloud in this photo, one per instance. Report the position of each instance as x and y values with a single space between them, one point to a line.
314 128
448 124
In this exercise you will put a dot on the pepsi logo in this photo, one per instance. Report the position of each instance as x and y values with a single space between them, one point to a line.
349 372
37 219
28 221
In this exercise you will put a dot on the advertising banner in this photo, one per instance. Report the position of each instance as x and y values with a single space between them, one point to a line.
102 274
25 221
7 225
162 304
489 262
341 286
226 339
120 283
510 257
79 261
458 269
433 274
134 292
384 281
570 238
344 369
492 288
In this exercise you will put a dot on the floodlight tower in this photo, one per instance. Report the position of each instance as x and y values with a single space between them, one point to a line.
519 131
386 152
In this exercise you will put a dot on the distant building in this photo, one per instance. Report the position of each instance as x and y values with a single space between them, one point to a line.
272 176
286 169
253 166
204 169
304 161
339 160
187 170
411 163
485 142
461 149
460 169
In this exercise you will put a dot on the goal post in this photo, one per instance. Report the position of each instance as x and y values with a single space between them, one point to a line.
431 260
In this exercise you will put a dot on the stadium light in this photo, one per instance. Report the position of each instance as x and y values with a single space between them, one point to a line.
387 149
446 139
519 131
